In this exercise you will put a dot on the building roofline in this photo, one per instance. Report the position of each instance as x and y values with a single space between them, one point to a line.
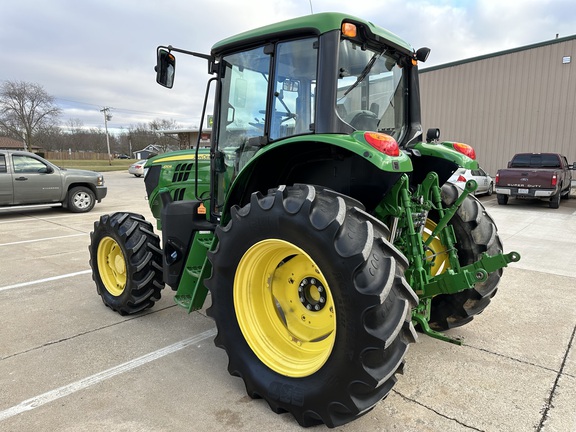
177 131
498 53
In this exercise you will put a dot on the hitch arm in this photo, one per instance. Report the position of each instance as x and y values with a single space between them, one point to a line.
451 282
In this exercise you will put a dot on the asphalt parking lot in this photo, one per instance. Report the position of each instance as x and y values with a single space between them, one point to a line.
68 363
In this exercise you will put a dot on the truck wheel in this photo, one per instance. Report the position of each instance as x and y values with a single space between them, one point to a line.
475 233
81 199
555 201
502 199
126 262
311 304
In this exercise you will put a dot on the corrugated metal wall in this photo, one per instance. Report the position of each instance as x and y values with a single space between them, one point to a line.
514 101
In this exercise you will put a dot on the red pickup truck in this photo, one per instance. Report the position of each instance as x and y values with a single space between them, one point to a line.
545 176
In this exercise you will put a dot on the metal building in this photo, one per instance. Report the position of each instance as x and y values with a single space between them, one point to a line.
522 99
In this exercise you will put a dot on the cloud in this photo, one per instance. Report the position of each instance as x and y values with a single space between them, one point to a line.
102 53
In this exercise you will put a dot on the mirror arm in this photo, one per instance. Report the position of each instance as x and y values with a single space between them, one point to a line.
192 53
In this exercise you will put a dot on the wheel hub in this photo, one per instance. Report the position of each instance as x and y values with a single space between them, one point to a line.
82 200
119 264
312 294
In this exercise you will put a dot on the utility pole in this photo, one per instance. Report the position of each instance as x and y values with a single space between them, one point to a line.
107 117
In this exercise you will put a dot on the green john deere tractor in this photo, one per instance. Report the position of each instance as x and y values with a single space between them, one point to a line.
319 219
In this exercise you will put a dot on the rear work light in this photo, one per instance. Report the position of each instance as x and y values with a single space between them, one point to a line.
383 143
465 149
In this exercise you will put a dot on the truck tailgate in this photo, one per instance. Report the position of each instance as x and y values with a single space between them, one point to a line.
526 178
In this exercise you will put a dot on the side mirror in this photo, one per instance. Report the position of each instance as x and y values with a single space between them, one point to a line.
165 67
422 54
46 170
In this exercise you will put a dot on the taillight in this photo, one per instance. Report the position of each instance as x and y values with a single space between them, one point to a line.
461 178
383 143
465 149
554 179
497 178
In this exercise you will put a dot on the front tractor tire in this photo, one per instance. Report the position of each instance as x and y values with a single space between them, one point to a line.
126 261
311 304
476 233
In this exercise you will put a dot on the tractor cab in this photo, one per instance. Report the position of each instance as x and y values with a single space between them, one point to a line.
318 75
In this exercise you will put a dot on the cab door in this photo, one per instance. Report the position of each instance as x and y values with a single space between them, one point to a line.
35 181
6 191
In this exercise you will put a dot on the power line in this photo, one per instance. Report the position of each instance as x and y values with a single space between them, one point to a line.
77 102
125 110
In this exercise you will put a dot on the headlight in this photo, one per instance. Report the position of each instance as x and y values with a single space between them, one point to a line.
100 181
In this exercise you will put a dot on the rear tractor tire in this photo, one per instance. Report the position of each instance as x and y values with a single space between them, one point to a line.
476 233
311 304
126 261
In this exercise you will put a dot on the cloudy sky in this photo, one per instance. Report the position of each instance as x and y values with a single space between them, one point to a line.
90 54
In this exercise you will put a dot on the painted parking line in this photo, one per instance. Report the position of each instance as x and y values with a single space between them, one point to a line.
53 278
42 239
84 383
20 218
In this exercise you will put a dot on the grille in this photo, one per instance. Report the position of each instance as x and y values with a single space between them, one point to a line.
182 172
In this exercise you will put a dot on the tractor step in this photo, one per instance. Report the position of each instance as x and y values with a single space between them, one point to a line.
191 291
183 300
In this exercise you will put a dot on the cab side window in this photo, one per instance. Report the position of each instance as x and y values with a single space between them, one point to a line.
27 164
295 88
3 164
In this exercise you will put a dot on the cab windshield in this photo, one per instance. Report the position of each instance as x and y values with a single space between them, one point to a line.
371 90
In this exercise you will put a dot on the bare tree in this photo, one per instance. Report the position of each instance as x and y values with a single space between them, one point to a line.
25 109
141 135
162 140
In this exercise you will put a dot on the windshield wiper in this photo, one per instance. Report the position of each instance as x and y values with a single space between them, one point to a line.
364 72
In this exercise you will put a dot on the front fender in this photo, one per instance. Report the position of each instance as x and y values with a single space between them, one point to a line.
446 150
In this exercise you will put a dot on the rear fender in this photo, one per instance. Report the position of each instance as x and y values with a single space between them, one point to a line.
344 163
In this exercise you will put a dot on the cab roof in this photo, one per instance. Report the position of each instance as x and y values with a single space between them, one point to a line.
309 24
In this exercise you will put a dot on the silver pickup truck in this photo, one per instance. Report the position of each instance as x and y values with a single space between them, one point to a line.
27 180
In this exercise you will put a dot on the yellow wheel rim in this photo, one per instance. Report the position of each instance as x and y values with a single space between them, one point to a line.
437 252
112 266
284 308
